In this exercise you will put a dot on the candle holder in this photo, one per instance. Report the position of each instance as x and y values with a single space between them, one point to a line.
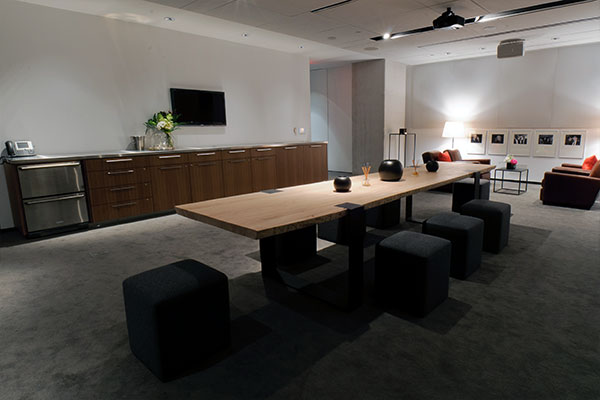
366 169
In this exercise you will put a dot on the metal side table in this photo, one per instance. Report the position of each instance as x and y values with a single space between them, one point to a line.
520 170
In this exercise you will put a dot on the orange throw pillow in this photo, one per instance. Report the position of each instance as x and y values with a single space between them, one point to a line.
445 156
595 172
589 163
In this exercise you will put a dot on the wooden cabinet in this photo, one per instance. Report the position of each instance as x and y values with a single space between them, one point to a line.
264 173
118 188
290 166
206 180
237 176
170 186
315 163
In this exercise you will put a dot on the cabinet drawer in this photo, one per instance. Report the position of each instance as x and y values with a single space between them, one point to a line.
120 177
263 151
120 194
167 159
236 153
123 209
116 163
202 156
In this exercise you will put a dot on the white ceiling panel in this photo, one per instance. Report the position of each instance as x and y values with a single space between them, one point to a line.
173 3
245 13
494 6
291 8
342 35
201 6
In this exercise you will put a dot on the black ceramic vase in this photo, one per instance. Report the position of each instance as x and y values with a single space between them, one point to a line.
432 166
390 170
342 184
510 166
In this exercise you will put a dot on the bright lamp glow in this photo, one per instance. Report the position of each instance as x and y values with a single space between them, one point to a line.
454 129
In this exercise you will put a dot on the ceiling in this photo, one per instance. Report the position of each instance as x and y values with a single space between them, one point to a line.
351 26
343 33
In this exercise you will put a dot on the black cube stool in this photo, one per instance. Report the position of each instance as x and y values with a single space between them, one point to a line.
177 316
466 235
496 222
412 271
463 191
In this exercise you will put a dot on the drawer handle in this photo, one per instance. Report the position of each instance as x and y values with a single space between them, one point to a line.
264 149
58 198
173 156
263 158
129 171
173 167
236 161
315 145
122 188
206 154
204 164
133 203
290 148
119 160
39 166
236 151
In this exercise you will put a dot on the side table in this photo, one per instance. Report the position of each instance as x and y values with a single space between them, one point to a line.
520 170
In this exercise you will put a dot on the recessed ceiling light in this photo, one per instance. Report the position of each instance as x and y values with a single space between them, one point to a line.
244 34
386 36
169 19
482 48
555 38
301 47
431 55
331 38
448 53
371 48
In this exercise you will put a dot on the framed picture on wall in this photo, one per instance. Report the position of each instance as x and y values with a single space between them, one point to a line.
571 144
519 142
545 143
477 139
497 141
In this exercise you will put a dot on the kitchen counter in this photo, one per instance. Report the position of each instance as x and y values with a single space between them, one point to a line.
128 153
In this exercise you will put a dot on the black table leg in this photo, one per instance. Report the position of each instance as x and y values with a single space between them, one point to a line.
476 179
355 225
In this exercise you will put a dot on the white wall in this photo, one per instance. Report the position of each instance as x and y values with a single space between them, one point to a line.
331 106
395 107
553 88
73 82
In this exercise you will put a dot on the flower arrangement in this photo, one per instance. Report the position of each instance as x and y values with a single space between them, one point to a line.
166 122
510 161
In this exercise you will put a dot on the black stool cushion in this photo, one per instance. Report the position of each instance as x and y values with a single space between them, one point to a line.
412 271
464 191
177 315
496 222
466 235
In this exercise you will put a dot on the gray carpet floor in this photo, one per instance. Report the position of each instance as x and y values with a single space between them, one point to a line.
526 325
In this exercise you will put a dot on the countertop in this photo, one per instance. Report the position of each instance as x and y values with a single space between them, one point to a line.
128 153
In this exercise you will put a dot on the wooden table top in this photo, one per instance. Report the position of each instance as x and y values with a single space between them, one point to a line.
259 215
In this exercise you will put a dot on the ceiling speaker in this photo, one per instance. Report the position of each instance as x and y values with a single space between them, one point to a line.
510 48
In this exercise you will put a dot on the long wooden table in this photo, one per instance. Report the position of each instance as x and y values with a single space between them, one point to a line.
286 218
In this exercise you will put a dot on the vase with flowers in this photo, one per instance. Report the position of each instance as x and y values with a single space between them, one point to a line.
511 162
160 129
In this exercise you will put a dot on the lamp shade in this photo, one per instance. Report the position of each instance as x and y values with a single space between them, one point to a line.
454 129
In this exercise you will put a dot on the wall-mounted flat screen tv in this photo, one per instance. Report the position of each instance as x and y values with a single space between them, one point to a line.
198 107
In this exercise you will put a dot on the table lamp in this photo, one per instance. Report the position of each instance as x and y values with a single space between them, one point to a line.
453 129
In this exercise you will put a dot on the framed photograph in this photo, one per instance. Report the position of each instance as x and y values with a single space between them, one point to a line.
571 144
477 139
497 142
519 142
545 143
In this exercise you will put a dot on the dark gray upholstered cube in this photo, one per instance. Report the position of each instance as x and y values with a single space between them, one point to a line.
466 235
385 215
496 222
177 316
412 271
464 191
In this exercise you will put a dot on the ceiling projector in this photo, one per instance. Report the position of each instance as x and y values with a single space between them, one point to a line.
448 20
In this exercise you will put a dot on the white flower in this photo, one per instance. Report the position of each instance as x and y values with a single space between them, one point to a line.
161 124
169 125
508 158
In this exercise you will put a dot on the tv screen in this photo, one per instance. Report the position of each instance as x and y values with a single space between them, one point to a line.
198 107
